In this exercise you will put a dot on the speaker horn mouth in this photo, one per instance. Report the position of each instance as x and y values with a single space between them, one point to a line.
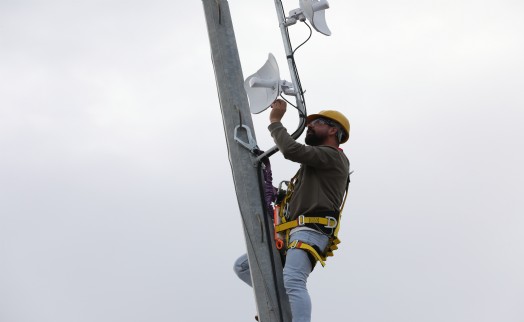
263 87
315 10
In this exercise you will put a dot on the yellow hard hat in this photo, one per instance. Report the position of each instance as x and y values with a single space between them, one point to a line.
334 116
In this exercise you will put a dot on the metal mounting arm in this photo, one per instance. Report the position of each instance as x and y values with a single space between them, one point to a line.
298 93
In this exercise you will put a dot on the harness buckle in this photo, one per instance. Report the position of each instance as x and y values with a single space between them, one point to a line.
301 220
332 222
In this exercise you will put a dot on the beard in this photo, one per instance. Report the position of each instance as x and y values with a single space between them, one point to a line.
313 139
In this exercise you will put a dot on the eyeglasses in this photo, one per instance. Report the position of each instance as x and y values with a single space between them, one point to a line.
340 133
321 121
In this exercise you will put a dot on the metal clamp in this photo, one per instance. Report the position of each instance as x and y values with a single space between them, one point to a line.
301 220
251 145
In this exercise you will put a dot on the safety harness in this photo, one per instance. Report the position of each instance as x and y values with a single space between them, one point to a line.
283 227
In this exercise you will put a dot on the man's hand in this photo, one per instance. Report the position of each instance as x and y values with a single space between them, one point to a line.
278 109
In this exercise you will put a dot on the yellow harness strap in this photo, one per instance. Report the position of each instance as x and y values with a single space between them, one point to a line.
328 222
309 249
332 246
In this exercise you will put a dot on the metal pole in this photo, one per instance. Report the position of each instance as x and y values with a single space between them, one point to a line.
289 55
264 259
299 97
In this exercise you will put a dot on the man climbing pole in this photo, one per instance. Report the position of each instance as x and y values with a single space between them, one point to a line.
312 206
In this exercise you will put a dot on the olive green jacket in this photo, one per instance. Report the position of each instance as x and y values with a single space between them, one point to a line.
322 176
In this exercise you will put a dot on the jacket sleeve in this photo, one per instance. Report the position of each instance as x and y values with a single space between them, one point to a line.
315 156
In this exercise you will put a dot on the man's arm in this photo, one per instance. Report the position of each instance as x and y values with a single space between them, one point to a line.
292 150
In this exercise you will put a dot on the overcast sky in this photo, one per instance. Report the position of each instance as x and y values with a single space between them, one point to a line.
116 197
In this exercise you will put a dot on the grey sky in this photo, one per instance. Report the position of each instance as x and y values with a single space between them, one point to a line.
112 145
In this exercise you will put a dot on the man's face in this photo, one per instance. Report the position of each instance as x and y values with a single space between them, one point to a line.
317 132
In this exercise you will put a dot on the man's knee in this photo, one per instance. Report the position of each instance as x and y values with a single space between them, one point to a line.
241 268
241 265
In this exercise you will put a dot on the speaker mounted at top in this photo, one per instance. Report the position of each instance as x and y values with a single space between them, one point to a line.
312 10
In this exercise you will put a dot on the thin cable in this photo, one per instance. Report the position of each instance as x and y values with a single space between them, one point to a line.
282 97
305 41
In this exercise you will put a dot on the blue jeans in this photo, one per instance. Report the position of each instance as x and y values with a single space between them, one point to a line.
296 271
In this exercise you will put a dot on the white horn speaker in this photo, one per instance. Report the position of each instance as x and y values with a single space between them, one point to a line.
263 87
314 10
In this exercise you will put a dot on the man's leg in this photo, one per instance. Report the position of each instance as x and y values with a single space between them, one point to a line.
296 272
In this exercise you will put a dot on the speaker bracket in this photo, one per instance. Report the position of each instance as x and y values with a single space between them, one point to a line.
287 87
295 16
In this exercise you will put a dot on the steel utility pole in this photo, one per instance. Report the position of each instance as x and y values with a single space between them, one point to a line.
264 260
